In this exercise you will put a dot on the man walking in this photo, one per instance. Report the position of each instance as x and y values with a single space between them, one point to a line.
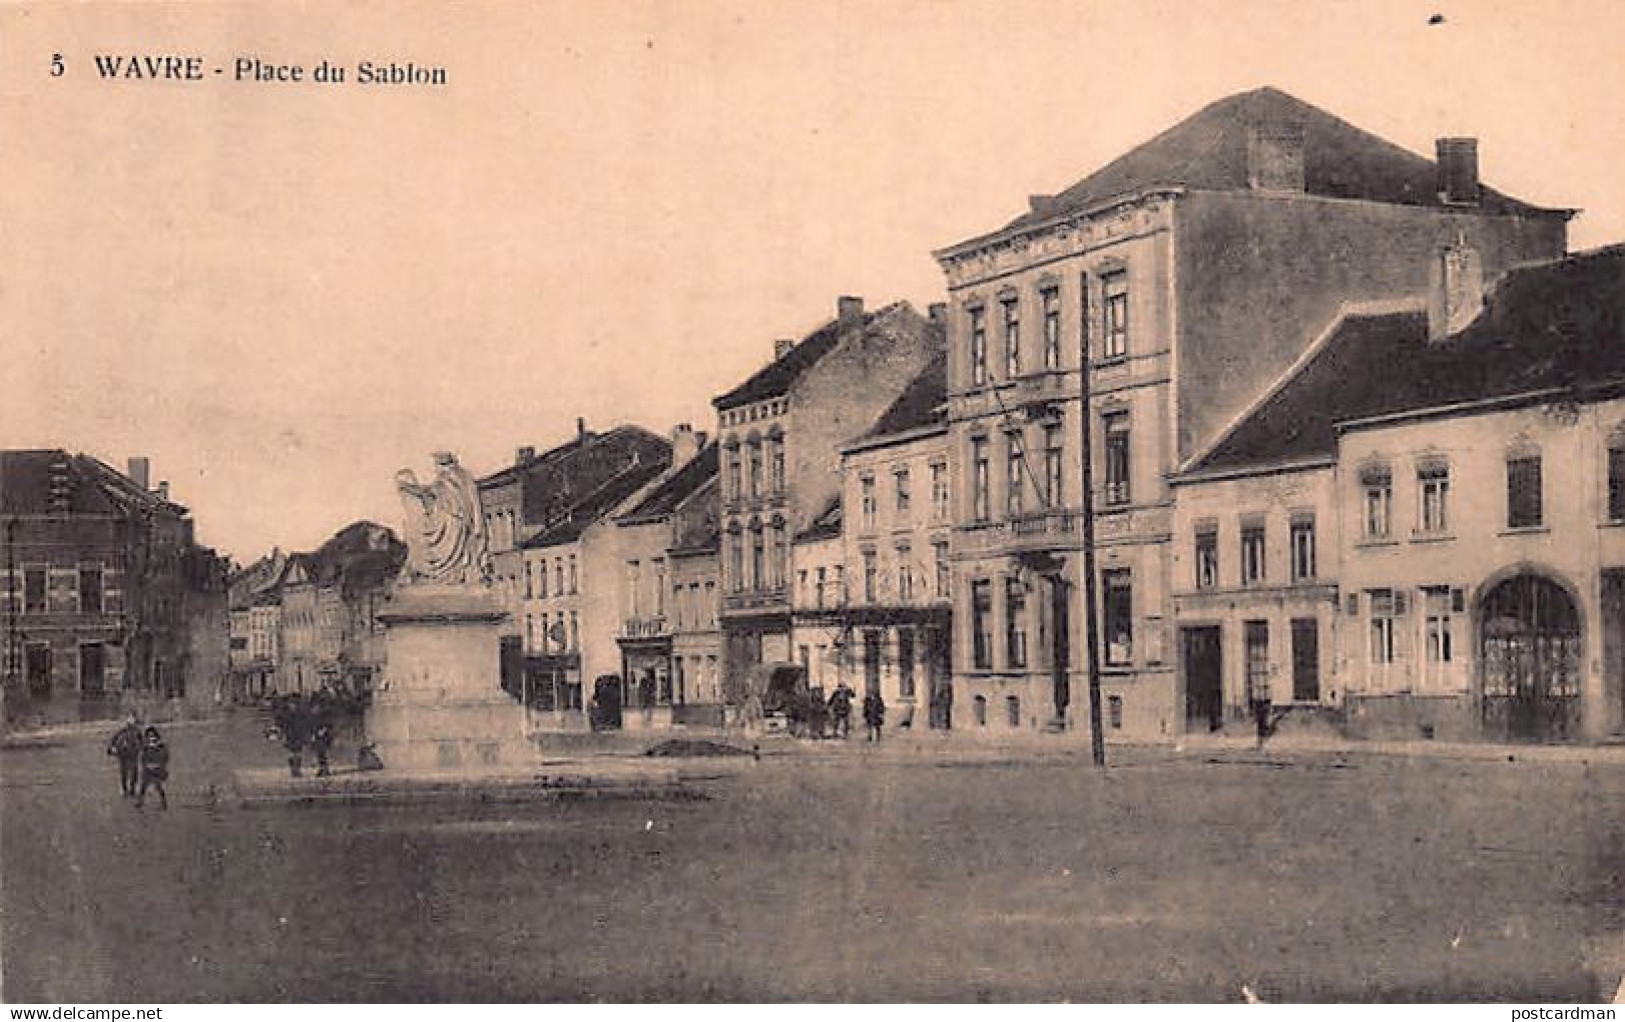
126 746
874 713
840 708
154 768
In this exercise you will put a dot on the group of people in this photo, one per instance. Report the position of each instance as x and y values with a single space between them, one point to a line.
302 721
143 761
813 716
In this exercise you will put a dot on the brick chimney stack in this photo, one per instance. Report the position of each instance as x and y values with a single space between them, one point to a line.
781 347
581 428
849 308
685 444
524 455
1458 171
938 312
140 472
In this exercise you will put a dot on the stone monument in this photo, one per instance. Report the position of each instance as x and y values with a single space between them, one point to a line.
441 705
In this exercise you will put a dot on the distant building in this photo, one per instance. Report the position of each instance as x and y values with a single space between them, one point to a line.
326 611
568 582
1193 270
876 613
255 603
670 592
101 581
780 433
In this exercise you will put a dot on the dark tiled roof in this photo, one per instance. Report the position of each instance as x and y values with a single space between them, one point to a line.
1208 150
827 525
89 486
924 402
681 485
777 377
600 502
1557 325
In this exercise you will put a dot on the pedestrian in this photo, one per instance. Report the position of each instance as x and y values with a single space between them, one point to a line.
1261 718
321 739
293 727
840 709
817 713
126 746
874 713
154 768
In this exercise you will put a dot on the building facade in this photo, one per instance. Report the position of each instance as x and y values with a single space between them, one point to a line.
780 433
1193 271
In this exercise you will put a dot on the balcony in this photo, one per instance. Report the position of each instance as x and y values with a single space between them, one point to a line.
769 600
1039 390
1039 530
645 627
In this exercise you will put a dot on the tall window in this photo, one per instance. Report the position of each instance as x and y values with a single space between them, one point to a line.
900 479
1118 588
1616 483
90 589
1523 492
1015 623
776 449
541 578
574 578
735 490
1257 637
33 590
1379 501
939 491
1117 457
755 469
776 563
1054 467
1207 555
1385 609
870 575
1303 547
758 559
530 576
905 663
980 511
736 558
1051 298
1253 568
1012 339
822 576
905 573
558 575
866 501
978 347
981 616
1433 498
1437 627
1015 477
1115 291
939 550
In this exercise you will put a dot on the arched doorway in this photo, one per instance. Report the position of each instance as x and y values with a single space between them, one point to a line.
1530 655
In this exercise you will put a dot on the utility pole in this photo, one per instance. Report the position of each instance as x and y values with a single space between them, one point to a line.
1091 621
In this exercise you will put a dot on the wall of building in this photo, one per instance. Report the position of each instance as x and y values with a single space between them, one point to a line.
1575 545
1260 275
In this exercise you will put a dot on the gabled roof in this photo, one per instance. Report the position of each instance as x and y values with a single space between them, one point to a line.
597 504
777 377
84 484
1208 150
1556 326
923 403
670 493
825 525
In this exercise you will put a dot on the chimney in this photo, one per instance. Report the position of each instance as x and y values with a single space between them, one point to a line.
849 308
1455 291
524 455
581 428
781 347
1275 158
685 444
163 489
938 312
140 472
1458 171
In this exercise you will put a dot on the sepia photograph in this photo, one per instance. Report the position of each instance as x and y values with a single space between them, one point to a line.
846 502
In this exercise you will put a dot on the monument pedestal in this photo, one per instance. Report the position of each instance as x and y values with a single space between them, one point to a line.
441 705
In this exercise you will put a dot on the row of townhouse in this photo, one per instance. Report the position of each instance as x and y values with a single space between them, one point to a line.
898 501
305 622
108 602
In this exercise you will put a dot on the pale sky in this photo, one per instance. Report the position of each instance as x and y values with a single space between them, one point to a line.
282 293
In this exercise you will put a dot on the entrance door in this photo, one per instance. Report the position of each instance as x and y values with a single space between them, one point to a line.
1530 643
871 662
38 668
1305 660
93 669
1204 679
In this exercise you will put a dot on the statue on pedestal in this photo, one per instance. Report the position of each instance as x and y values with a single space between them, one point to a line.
445 527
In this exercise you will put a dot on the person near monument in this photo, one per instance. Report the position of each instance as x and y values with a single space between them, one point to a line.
874 714
154 768
840 709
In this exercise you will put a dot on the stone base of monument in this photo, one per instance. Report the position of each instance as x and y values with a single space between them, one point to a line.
440 705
